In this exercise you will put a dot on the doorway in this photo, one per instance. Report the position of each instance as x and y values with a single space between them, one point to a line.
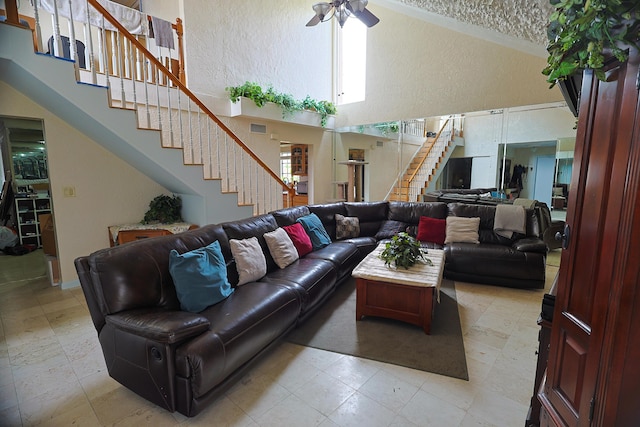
457 173
26 207
544 176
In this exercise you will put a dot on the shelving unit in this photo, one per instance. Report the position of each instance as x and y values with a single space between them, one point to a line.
299 159
27 211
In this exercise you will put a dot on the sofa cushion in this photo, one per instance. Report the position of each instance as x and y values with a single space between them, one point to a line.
410 212
347 226
390 228
311 278
314 228
343 255
136 275
250 260
432 230
281 247
460 229
254 226
487 215
327 214
240 327
370 214
300 238
288 216
200 277
494 264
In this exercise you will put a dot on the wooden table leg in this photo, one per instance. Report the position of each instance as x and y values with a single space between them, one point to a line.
361 289
429 306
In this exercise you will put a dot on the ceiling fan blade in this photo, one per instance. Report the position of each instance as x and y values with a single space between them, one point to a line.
367 18
314 21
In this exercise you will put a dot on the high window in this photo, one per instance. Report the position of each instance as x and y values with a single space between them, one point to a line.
351 52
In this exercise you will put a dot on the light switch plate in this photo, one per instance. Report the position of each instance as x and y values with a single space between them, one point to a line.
69 191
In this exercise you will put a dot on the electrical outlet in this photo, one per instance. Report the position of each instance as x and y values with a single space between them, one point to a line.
69 191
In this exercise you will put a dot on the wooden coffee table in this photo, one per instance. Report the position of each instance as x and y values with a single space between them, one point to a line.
400 294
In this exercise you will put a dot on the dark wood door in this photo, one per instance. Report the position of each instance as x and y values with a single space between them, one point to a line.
592 335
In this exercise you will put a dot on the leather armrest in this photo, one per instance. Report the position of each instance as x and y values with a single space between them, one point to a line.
530 244
159 325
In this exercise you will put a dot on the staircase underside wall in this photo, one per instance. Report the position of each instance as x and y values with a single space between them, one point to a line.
50 83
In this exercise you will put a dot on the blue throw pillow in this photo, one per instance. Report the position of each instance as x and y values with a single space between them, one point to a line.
200 277
314 228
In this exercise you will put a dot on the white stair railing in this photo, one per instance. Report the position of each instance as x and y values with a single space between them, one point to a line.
413 184
139 80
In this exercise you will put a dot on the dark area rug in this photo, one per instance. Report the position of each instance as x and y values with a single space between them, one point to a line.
333 327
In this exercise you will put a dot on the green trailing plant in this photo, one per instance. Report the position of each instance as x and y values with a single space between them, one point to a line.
164 209
387 127
581 32
286 101
403 250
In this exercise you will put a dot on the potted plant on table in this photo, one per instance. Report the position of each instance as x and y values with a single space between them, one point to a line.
404 250
164 209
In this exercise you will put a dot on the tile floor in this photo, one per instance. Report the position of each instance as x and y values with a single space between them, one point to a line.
52 372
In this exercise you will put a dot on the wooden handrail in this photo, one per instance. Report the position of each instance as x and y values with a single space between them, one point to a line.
176 81
413 175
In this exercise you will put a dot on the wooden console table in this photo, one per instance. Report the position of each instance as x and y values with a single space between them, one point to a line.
405 295
120 234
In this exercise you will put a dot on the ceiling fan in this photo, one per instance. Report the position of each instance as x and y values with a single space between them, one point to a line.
342 9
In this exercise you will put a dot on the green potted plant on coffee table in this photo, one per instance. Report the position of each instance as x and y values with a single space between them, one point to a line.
404 250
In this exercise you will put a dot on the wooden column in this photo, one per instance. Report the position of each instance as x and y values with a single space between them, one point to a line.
354 176
12 12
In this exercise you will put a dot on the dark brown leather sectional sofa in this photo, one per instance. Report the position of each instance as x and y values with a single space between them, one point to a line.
182 361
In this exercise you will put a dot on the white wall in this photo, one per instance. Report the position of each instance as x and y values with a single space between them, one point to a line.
417 69
484 132
229 42
108 190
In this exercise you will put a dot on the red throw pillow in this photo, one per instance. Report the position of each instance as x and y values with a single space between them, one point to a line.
300 238
432 230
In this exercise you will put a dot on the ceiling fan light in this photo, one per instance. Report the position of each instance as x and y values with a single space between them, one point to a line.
342 13
358 5
322 9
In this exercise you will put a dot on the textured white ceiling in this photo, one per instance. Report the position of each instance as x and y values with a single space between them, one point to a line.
522 19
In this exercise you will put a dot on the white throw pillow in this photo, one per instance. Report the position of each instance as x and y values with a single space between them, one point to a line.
462 229
281 247
250 261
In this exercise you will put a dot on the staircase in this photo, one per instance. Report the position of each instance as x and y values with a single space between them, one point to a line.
425 167
136 108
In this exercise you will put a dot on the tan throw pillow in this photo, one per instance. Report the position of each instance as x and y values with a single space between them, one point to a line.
347 226
250 261
281 247
461 229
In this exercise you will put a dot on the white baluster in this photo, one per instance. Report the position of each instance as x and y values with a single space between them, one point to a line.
159 75
126 66
132 50
57 42
103 46
73 48
38 28
157 83
180 127
89 38
193 150
119 58
146 91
